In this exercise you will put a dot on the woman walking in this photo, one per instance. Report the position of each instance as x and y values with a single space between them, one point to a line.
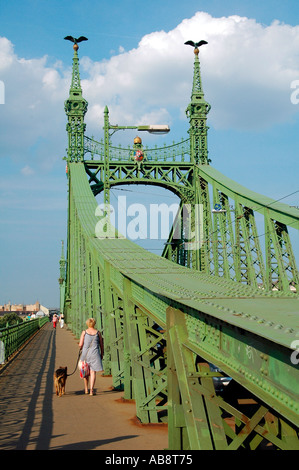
91 343
54 320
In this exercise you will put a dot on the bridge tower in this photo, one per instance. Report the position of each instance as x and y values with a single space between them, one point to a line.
197 112
75 107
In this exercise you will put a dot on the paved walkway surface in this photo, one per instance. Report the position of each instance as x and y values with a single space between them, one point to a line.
32 417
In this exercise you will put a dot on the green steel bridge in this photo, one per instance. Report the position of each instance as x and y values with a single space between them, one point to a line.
204 337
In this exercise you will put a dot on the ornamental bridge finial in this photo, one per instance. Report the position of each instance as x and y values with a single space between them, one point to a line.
196 45
76 40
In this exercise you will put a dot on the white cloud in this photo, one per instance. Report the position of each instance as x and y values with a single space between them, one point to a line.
32 117
6 54
247 70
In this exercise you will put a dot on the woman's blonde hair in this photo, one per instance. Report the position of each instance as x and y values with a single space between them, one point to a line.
90 322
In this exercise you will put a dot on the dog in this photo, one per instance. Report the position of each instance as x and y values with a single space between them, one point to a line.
60 376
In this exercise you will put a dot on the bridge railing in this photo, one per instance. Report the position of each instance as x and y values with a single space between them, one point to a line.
179 152
13 337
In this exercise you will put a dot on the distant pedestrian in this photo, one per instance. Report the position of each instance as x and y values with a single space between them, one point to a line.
54 321
61 320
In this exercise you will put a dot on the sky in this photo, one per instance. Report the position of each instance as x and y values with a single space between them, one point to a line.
136 63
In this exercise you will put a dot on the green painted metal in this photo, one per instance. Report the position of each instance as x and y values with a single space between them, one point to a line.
75 107
197 112
243 244
163 323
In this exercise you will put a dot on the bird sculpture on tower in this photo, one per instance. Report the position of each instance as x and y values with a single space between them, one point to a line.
196 45
76 40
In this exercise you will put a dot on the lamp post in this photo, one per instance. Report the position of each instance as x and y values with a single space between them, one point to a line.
153 129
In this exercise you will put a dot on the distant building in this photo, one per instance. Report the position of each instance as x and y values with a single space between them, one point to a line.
33 307
21 308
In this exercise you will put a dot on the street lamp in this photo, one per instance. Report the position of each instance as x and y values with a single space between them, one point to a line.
152 128
155 128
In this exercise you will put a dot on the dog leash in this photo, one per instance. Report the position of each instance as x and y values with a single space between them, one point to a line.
68 375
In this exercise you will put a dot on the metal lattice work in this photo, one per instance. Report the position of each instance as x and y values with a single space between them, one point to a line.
231 245
177 152
202 338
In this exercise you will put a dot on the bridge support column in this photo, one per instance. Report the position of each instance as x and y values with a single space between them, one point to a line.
116 333
108 307
128 307
148 382
194 421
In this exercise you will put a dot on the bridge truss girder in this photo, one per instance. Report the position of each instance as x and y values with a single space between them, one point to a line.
231 245
175 176
164 325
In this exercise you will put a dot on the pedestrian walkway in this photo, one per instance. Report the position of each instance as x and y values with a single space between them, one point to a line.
32 417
